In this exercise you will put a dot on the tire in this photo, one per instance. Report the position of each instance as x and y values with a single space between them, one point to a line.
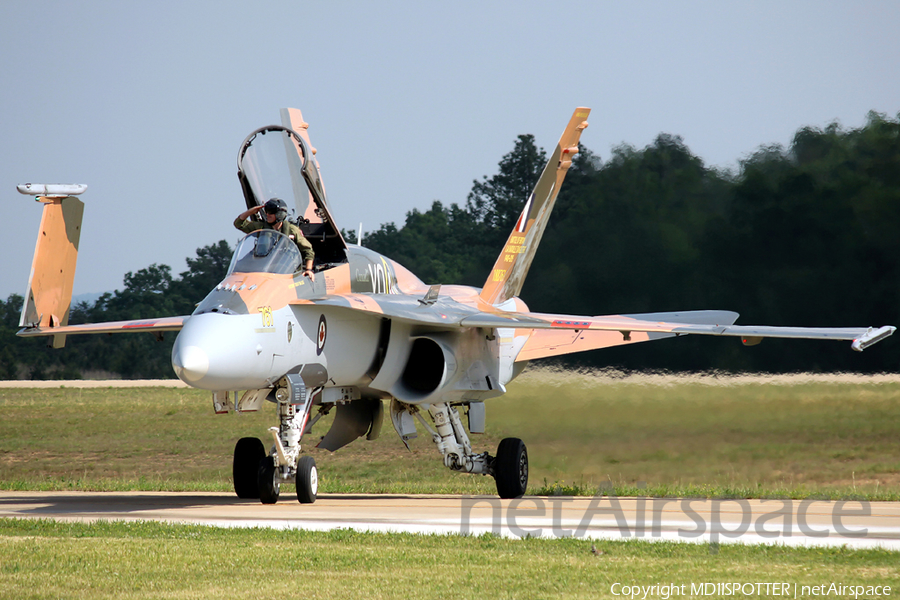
307 480
269 485
245 468
511 468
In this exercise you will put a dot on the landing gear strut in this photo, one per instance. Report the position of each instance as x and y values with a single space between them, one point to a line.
258 475
509 468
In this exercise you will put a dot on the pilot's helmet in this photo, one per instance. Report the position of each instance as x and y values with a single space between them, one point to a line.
277 207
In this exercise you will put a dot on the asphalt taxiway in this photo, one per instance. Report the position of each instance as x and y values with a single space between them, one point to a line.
856 524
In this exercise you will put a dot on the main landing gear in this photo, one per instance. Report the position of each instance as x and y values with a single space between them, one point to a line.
509 468
260 475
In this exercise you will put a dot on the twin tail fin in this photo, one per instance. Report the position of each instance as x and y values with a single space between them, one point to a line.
508 275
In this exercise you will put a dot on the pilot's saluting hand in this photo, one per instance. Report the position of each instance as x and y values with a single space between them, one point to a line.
250 211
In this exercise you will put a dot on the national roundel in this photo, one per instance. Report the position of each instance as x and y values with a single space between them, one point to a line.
321 335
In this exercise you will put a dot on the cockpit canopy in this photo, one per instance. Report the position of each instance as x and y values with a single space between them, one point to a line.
265 251
277 162
270 165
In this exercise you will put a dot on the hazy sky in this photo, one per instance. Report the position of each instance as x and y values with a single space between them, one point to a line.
408 102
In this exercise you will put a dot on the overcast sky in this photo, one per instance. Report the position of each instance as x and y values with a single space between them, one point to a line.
408 102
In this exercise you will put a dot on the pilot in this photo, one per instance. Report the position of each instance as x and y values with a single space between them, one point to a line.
276 211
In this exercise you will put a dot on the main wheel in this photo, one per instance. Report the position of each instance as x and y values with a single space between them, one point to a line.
511 468
269 483
307 480
245 468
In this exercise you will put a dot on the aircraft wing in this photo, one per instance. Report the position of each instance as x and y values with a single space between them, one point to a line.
691 322
586 332
152 325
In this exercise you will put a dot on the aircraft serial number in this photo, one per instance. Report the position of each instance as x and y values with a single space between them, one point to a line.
267 319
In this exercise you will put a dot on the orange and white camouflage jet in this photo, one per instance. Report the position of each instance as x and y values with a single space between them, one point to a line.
365 330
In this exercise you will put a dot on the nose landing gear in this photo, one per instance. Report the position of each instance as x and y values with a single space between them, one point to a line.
258 475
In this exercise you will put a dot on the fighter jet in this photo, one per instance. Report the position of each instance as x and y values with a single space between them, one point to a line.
364 330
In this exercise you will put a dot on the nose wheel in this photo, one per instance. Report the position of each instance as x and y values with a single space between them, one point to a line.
245 468
269 481
259 474
307 480
257 477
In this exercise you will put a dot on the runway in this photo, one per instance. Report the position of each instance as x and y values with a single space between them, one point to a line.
856 524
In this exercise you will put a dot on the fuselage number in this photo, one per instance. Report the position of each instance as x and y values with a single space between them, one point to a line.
267 319
379 278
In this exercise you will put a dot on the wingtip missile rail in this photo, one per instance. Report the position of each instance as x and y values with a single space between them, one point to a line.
872 336
51 190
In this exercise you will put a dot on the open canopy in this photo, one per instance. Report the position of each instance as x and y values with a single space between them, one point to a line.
271 164
277 162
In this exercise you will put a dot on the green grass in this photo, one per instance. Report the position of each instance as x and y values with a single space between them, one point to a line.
43 559
647 436
641 435
695 436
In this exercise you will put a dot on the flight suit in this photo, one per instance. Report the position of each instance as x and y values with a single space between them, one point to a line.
287 228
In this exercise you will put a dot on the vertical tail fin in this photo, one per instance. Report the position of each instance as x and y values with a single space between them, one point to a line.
49 295
506 278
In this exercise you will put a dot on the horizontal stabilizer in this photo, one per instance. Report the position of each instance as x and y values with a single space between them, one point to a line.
544 343
713 320
657 325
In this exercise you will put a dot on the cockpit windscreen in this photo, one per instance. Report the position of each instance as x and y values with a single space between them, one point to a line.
265 251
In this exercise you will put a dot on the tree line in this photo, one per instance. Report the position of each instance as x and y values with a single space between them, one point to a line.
804 235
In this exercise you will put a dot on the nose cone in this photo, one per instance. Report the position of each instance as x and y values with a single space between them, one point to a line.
191 363
222 352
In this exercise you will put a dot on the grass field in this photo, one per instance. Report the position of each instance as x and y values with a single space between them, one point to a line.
41 559
658 435
710 436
